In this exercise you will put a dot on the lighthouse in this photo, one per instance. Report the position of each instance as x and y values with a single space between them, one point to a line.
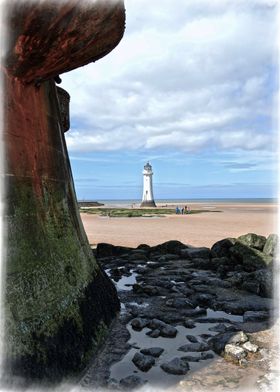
148 197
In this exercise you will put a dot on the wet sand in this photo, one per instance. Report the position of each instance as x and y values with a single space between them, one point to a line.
202 229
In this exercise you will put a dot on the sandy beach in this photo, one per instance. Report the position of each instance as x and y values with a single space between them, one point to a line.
202 229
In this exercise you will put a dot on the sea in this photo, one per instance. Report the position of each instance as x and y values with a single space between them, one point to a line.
125 202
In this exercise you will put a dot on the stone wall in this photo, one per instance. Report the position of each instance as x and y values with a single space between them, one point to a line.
59 303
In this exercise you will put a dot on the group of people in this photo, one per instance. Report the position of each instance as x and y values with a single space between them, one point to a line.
183 210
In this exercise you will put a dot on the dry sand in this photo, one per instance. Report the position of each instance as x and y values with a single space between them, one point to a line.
198 229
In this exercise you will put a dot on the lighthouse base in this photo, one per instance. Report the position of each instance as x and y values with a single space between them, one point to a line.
146 203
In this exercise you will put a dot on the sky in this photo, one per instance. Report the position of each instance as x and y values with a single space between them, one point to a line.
191 88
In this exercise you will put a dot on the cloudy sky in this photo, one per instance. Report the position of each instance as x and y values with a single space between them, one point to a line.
192 88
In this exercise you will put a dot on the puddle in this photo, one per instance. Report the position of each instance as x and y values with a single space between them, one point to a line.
156 376
125 282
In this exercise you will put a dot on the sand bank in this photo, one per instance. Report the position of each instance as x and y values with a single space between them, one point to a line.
198 230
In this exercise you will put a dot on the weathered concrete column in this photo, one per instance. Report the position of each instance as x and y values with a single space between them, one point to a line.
59 303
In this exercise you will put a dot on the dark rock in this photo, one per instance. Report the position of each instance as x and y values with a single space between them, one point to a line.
153 351
168 247
253 240
192 253
251 258
154 333
104 250
156 324
149 290
270 247
176 366
205 356
217 343
168 331
190 358
144 247
194 347
143 362
251 286
204 299
180 303
131 382
221 248
194 312
189 324
224 328
213 320
168 257
255 316
139 323
192 338
205 336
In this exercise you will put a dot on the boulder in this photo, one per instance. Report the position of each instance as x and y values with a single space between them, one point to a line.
190 358
237 338
255 316
192 338
155 333
131 382
176 366
205 356
248 346
251 258
270 247
194 312
152 351
143 362
189 324
194 347
168 331
139 323
253 240
221 248
217 343
104 250
193 253
180 303
234 353
168 247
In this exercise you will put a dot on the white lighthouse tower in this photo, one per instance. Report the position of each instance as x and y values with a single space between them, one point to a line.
148 197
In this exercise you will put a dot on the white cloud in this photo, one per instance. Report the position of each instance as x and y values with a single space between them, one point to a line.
189 76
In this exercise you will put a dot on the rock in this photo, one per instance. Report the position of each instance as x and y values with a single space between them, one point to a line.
168 257
213 320
237 338
104 250
251 258
264 279
270 247
192 338
149 290
194 347
248 346
221 248
176 366
168 331
205 356
204 299
217 343
234 353
131 382
194 312
189 324
255 316
156 324
168 247
180 303
143 362
253 240
191 358
192 253
154 333
251 286
152 351
224 328
139 323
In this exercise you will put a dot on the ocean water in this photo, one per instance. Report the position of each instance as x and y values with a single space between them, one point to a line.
185 201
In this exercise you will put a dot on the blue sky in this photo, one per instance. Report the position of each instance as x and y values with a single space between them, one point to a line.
190 88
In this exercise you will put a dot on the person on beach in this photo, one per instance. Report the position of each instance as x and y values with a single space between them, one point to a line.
177 210
182 210
186 209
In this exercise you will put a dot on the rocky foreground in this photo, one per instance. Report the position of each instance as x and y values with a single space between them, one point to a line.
192 318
